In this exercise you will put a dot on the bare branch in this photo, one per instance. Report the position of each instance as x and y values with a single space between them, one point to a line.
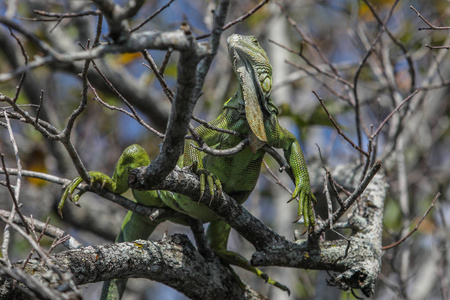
190 272
240 19
133 114
191 76
338 128
396 41
430 26
277 180
47 229
152 16
52 16
152 66
63 275
117 16
316 68
22 77
393 112
349 201
176 40
220 152
416 227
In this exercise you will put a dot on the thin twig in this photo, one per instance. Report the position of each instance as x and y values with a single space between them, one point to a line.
368 158
98 31
349 201
24 54
329 203
170 94
339 130
17 187
220 152
41 101
319 70
324 83
277 180
38 175
46 129
135 115
430 26
393 112
152 66
39 250
165 62
358 72
151 17
334 190
130 114
38 239
355 86
7 229
71 121
416 227
209 126
240 19
58 241
396 41
307 39
437 47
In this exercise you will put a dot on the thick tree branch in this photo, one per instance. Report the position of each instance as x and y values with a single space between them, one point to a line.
227 208
173 261
117 16
176 40
359 258
180 116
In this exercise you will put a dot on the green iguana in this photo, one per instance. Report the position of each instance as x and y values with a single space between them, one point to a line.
250 112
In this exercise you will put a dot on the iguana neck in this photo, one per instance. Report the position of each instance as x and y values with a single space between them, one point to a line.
237 102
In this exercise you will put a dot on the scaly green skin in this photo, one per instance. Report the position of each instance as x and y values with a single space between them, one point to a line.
250 112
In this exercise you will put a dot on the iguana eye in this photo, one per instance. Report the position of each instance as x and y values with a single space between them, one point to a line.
255 41
266 82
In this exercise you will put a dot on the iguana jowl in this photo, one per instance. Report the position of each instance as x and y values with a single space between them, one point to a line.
250 112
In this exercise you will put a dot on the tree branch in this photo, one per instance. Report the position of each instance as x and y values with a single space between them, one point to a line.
176 40
359 258
173 261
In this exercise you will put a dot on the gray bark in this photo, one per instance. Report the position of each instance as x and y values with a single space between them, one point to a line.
175 262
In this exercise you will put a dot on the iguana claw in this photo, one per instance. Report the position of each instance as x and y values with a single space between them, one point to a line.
68 193
70 189
214 184
305 206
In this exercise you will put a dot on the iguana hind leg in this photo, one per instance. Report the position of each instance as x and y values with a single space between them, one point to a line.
217 234
134 227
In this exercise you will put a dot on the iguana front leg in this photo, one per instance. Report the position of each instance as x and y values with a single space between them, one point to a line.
279 137
132 157
134 225
295 158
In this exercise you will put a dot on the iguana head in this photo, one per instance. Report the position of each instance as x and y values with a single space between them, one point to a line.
254 72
